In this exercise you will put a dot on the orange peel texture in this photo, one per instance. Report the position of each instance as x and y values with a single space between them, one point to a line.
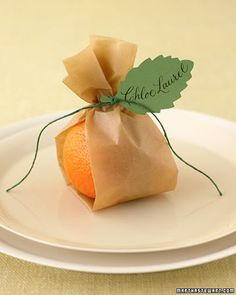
76 160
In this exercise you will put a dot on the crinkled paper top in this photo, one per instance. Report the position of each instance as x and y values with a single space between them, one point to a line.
98 69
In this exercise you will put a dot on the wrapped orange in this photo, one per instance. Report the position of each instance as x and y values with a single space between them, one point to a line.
112 151
111 154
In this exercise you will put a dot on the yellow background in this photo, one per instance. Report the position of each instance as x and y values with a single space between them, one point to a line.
35 36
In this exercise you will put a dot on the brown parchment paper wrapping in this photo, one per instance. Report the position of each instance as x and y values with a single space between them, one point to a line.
129 156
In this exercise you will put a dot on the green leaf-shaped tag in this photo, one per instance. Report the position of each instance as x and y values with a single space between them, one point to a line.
154 85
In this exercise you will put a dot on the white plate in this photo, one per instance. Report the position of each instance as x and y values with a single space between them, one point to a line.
45 210
31 251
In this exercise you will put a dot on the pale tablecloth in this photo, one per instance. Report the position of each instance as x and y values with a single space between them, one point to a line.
34 38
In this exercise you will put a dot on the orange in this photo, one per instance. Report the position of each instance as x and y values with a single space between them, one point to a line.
76 160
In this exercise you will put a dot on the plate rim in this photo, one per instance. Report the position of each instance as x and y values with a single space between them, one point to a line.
17 125
19 253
